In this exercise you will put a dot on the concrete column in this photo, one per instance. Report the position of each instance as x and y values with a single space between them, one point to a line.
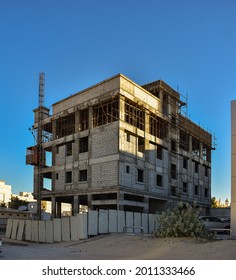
75 205
201 150
77 120
90 117
122 109
233 169
54 208
90 143
58 204
190 145
89 196
146 206
120 199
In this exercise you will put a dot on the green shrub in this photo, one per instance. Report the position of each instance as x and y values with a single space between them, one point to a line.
182 221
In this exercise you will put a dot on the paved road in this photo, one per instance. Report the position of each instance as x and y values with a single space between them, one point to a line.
15 250
122 246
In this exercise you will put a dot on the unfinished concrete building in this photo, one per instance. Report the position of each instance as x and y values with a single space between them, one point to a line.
119 145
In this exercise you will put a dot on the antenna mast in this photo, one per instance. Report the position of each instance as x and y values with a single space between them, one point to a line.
40 141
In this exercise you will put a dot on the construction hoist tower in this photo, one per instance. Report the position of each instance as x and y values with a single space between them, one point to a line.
35 154
40 141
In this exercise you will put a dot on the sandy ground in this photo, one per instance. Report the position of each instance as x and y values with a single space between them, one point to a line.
122 247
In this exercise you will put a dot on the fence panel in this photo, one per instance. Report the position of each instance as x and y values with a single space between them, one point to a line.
49 231
82 226
42 231
9 228
129 222
65 229
35 231
113 221
103 221
74 228
28 230
145 223
21 229
121 220
92 222
57 232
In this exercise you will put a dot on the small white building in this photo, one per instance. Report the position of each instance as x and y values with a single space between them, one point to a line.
26 196
5 193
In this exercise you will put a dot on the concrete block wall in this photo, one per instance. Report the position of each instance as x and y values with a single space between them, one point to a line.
80 227
106 138
104 174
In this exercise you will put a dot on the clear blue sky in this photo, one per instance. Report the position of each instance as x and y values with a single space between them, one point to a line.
191 45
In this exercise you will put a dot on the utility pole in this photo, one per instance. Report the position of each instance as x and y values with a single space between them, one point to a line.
40 143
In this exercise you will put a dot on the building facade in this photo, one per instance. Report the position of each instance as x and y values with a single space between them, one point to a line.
5 193
119 145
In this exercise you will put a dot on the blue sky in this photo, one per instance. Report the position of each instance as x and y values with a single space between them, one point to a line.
189 44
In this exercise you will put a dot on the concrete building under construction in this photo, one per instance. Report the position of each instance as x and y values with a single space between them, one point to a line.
119 145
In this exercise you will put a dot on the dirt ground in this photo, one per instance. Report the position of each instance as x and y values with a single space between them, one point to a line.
121 247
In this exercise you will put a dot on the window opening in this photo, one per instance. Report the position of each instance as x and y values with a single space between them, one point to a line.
106 112
65 126
140 175
206 153
159 151
185 163
185 187
159 180
173 191
173 145
83 120
83 144
173 171
195 147
184 140
69 149
196 191
134 114
141 144
158 127
83 175
68 177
